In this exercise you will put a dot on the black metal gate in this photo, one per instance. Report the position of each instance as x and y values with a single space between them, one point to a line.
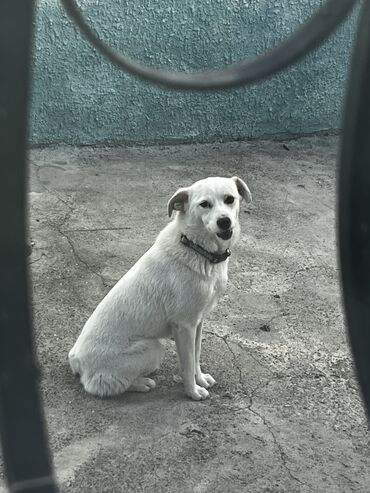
26 456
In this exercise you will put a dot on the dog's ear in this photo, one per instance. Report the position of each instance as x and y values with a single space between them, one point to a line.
243 189
178 200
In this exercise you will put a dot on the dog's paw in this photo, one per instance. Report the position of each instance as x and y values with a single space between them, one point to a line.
197 393
149 382
142 384
205 380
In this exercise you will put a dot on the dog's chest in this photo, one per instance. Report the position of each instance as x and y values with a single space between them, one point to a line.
215 286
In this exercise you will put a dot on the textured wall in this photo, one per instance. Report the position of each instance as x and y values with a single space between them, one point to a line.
79 98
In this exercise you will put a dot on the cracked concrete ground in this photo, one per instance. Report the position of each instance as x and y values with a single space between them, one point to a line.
285 415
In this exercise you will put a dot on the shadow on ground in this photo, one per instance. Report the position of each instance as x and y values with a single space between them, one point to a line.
285 415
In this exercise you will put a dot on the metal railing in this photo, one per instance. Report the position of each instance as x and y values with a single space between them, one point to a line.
311 34
25 450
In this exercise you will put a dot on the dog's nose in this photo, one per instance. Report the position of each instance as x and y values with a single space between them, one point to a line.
224 223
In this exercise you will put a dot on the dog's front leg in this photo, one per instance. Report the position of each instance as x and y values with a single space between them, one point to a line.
185 344
202 379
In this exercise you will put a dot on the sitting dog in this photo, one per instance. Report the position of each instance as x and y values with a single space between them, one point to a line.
167 293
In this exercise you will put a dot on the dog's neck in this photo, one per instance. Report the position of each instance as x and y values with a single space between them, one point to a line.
169 240
213 258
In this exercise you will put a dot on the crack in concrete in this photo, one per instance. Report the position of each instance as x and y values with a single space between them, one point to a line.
282 454
52 192
269 426
58 227
239 344
37 259
316 372
82 230
224 338
106 282
243 348
259 387
234 359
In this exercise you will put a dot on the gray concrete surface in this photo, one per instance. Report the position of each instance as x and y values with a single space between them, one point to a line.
285 415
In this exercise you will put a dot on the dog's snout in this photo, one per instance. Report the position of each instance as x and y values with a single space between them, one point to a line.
224 223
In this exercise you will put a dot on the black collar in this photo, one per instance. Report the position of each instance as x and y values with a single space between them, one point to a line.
214 258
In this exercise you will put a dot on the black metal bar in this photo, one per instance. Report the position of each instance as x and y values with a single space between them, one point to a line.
354 205
23 436
298 44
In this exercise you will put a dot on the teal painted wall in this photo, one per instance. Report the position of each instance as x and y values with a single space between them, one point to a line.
79 98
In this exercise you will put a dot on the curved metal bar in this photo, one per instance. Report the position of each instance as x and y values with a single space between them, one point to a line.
23 434
311 34
354 205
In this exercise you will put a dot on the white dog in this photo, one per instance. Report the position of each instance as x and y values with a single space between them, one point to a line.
167 293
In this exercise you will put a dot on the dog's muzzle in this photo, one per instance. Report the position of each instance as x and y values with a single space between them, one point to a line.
224 223
225 235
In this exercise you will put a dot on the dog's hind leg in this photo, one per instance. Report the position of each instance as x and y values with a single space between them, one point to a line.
104 383
126 371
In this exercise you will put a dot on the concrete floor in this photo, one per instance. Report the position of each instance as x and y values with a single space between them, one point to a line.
285 415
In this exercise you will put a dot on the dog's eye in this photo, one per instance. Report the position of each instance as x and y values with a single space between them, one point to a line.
229 199
205 204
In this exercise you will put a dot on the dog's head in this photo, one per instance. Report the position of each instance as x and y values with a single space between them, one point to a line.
211 204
